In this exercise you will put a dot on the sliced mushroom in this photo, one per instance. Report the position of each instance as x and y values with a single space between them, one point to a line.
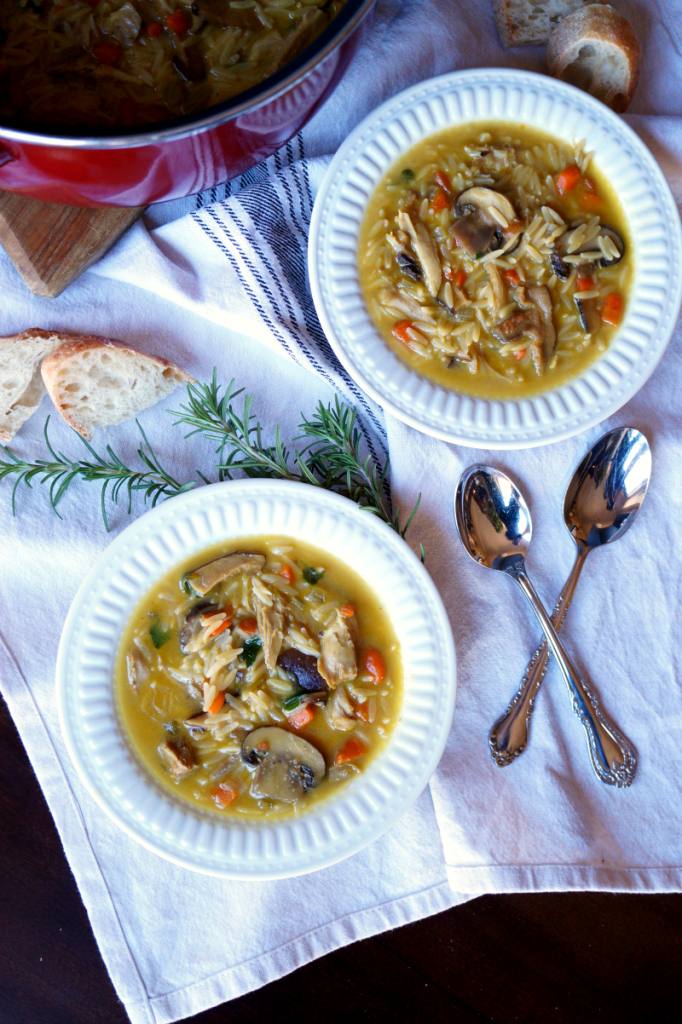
178 756
588 314
190 64
562 270
337 662
340 711
486 220
208 576
287 765
403 258
193 625
137 667
270 630
534 321
424 250
303 667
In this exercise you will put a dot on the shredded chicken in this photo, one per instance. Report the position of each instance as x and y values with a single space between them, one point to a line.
337 662
270 630
405 304
138 668
340 711
497 287
424 251
534 321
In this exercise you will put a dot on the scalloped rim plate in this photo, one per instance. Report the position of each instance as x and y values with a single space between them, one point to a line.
520 97
343 823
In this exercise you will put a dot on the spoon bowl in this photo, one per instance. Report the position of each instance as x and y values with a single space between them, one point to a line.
492 518
608 488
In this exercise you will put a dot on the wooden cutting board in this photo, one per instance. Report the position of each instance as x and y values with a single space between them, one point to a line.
52 245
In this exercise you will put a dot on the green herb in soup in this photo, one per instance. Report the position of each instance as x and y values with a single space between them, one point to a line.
496 260
262 684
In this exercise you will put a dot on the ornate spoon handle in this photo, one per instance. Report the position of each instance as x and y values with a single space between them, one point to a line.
613 757
510 733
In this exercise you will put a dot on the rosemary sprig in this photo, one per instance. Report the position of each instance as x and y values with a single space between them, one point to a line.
60 471
331 458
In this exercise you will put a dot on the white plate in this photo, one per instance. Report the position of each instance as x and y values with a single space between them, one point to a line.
146 551
516 96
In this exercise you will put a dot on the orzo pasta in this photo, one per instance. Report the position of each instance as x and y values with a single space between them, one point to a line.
261 680
128 62
496 259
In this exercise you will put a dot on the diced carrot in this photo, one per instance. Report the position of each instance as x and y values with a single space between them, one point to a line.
177 22
362 711
584 284
612 310
248 626
512 276
519 354
216 704
351 750
400 330
567 179
154 29
439 201
288 573
590 201
225 794
301 717
374 664
460 278
443 180
107 53
347 611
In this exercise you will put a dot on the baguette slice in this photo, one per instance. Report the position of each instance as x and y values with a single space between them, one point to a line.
529 22
99 382
597 50
21 386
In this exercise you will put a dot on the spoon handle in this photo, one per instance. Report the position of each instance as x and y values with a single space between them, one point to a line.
510 733
613 757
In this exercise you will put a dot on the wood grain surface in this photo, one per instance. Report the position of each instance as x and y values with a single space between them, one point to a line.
562 958
52 245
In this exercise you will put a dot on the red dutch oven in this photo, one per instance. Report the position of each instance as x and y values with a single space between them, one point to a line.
152 164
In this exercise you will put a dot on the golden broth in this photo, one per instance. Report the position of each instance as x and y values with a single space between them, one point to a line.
525 171
147 712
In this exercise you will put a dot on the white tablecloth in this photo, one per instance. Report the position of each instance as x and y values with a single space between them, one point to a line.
220 280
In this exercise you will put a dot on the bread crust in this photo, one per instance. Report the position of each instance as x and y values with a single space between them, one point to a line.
535 34
22 407
79 344
602 27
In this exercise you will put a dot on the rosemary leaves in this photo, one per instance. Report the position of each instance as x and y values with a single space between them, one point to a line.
327 454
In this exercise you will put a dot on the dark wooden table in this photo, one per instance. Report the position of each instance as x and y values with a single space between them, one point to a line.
560 958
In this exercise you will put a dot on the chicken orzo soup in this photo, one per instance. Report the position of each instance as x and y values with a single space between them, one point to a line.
496 259
258 678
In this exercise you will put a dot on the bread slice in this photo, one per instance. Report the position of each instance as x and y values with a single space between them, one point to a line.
99 382
21 385
597 50
529 22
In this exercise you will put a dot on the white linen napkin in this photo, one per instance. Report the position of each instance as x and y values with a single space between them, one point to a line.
220 279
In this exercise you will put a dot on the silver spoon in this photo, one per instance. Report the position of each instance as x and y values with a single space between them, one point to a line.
495 528
602 501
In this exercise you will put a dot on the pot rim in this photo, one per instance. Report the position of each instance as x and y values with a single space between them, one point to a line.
252 99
